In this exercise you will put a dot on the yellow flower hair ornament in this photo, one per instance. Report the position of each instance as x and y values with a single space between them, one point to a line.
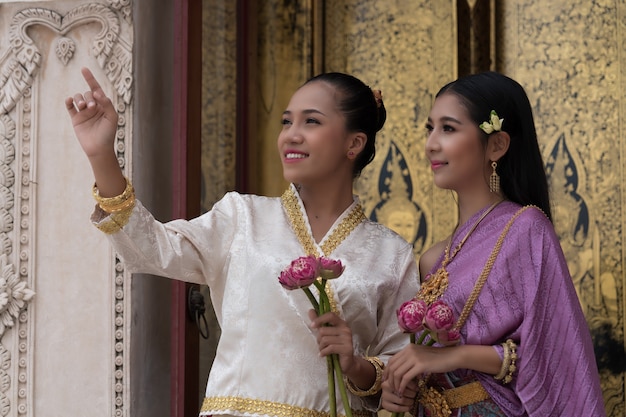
493 125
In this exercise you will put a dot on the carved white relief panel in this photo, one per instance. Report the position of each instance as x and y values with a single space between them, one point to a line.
44 277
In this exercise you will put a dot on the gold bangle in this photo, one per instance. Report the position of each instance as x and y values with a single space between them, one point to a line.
375 388
509 360
118 203
128 204
113 201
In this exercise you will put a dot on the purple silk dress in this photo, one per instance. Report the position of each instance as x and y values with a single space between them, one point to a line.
528 297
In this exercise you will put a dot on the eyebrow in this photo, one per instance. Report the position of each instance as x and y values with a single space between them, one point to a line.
446 119
305 111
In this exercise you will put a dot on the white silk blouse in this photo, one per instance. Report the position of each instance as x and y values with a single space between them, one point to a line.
267 361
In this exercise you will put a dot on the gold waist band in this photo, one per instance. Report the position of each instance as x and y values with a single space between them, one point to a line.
252 406
440 403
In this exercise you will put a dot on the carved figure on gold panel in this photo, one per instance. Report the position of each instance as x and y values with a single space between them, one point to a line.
596 290
396 208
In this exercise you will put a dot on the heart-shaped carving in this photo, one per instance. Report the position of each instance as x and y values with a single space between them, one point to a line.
19 66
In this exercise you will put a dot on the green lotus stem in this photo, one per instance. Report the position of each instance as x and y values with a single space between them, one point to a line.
342 385
412 338
324 302
331 387
311 297
332 361
422 337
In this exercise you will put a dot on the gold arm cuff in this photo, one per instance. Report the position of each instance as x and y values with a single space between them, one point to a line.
116 221
509 361
375 388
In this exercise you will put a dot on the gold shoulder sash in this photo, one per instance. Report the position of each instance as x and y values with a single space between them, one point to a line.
486 270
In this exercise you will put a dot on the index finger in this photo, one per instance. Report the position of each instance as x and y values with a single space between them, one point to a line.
90 79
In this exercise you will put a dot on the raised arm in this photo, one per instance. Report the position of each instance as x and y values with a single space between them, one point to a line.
94 119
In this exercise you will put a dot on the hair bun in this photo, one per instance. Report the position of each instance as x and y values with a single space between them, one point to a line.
382 112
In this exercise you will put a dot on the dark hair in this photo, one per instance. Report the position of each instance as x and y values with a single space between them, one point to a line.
522 172
356 101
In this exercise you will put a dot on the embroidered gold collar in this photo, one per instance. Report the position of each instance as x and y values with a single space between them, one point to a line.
338 235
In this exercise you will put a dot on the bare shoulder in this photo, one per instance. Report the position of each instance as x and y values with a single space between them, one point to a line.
428 258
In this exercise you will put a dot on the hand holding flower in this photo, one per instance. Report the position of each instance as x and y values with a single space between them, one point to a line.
436 324
334 336
311 270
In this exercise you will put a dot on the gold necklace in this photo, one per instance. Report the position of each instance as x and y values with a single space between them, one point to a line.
434 287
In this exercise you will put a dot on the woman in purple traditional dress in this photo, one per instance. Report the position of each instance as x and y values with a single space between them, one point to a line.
524 347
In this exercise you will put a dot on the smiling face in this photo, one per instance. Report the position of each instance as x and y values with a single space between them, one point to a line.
455 148
314 145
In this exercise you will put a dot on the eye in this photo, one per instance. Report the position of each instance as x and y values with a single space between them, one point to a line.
429 127
448 128
285 122
311 120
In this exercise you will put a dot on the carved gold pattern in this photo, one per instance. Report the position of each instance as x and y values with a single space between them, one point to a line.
568 54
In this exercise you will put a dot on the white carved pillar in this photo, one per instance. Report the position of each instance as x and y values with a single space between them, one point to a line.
62 351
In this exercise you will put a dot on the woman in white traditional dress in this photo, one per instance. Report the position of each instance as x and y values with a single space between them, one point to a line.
271 358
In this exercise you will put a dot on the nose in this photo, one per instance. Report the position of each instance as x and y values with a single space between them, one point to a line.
292 134
289 135
432 142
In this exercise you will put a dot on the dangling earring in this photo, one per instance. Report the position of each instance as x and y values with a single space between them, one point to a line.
494 179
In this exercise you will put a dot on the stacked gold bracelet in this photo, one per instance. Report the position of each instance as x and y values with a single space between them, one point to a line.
375 388
119 208
116 204
509 360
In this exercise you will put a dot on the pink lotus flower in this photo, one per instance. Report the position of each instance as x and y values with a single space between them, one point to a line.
411 315
447 337
330 268
439 317
301 273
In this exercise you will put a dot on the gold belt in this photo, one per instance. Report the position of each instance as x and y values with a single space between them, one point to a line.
440 403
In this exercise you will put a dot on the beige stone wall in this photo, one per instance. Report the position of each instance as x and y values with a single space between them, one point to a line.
63 346
74 347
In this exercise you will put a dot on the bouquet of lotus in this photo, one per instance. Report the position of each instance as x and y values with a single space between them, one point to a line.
301 274
435 322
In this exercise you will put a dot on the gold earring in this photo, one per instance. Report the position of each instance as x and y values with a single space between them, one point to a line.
494 179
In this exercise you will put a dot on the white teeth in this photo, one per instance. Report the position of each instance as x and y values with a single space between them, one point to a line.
295 156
